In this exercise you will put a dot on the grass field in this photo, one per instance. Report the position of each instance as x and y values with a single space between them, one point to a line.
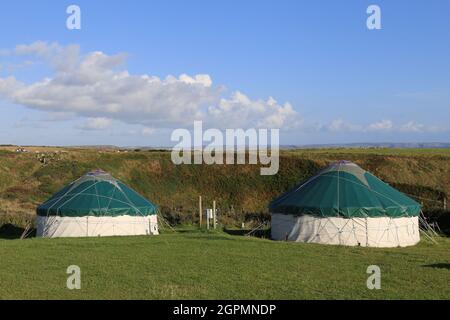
199 265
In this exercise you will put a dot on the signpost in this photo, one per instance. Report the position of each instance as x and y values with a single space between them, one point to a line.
214 214
200 211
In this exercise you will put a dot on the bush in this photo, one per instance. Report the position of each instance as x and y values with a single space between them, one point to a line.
441 218
175 217
13 225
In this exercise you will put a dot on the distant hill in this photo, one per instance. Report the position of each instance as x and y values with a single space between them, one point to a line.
410 145
396 145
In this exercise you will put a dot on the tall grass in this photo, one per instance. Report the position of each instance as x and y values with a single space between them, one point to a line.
240 191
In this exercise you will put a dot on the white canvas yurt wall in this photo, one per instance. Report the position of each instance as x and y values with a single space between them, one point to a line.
91 226
366 232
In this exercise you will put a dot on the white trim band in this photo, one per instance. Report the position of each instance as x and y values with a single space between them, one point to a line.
92 226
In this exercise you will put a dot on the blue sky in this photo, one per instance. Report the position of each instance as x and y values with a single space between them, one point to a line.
333 80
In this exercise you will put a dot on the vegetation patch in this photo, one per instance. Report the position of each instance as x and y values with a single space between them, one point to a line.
190 264
240 191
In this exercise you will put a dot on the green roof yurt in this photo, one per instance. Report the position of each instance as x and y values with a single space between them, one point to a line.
96 205
346 205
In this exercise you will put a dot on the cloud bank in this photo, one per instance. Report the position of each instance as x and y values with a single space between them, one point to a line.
97 87
382 126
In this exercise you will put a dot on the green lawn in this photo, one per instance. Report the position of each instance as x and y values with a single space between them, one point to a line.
195 265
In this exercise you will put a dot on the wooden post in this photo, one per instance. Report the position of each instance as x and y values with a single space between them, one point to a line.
200 211
445 203
214 214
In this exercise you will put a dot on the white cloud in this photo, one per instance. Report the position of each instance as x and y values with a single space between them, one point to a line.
242 112
203 79
416 127
95 86
59 116
341 125
412 126
62 58
383 125
9 85
147 131
96 124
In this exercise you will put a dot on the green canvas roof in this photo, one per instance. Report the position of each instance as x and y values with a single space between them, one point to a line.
345 190
96 194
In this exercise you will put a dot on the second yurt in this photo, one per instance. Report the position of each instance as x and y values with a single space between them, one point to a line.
346 205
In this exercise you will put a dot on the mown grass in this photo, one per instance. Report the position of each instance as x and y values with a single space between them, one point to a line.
199 265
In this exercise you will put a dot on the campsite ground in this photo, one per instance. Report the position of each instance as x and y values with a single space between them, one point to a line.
191 264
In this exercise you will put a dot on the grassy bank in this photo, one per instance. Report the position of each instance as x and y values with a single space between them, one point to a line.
242 194
196 265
